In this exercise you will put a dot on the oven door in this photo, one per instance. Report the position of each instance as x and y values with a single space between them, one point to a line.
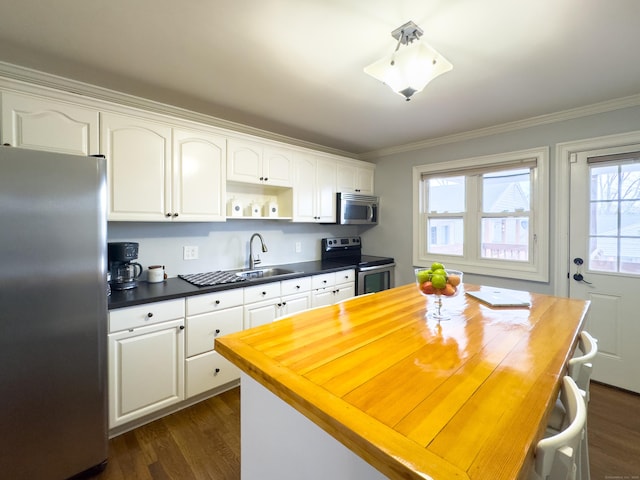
375 279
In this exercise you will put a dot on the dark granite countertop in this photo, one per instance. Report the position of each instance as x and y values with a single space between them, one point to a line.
172 288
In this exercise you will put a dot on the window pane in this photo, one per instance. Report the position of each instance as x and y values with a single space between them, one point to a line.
603 254
506 191
604 183
446 195
630 219
505 238
445 236
630 182
630 255
604 218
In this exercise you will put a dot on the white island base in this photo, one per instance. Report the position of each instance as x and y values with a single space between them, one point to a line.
279 443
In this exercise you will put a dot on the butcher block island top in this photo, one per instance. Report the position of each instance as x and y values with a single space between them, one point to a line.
464 398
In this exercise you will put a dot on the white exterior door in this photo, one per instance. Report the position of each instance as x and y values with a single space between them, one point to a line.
604 254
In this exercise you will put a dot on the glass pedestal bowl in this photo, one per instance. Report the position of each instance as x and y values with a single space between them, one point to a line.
452 285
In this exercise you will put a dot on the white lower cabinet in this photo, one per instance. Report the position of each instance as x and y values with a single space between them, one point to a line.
261 304
210 316
330 288
207 371
268 302
146 360
163 353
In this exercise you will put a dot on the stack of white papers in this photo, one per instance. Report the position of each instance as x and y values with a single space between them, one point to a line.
497 297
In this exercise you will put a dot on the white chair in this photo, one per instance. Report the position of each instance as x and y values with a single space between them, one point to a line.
580 369
581 366
557 457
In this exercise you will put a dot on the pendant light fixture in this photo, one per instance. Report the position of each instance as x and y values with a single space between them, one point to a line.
410 68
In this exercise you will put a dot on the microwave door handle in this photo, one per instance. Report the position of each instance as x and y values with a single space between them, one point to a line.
371 213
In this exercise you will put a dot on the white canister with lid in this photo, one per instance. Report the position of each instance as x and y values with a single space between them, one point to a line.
155 274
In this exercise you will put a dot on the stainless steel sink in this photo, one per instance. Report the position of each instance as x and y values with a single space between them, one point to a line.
266 273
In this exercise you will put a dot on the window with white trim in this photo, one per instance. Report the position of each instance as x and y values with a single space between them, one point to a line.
486 215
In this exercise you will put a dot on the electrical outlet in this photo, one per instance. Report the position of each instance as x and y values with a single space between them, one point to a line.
190 253
298 247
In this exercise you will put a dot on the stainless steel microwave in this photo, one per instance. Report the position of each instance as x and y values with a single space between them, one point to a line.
356 209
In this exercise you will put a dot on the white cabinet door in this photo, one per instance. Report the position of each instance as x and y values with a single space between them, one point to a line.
314 191
365 180
322 297
304 189
208 371
326 191
295 303
343 292
244 162
198 176
278 167
202 330
261 313
253 162
146 370
55 126
353 178
138 155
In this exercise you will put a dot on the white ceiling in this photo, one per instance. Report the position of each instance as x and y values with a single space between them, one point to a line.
294 67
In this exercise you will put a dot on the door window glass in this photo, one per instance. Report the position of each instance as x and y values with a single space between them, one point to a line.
614 220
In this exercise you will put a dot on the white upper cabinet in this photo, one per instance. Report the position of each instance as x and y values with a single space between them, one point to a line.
199 183
253 162
160 173
138 155
355 177
47 124
314 191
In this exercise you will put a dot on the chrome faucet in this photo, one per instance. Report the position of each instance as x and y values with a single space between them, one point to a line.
255 261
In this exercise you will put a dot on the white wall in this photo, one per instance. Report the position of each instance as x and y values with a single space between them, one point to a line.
223 245
393 237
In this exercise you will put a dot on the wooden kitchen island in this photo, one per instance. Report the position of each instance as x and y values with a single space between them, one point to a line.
407 396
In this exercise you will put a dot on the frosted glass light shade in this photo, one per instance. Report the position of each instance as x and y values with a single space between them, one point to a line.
410 69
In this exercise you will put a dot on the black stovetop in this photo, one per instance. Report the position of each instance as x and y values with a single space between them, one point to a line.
348 251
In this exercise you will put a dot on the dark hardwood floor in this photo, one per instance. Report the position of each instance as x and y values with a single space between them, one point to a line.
614 433
199 442
203 441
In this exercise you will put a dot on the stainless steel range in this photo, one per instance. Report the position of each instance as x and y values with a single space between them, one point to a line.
373 273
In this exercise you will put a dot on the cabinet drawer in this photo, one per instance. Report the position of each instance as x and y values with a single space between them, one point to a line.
211 302
207 371
345 276
202 330
148 314
265 291
323 280
295 285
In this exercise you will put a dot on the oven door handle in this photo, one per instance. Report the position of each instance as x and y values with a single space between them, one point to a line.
377 267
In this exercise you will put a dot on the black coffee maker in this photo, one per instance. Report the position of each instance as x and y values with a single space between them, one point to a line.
123 271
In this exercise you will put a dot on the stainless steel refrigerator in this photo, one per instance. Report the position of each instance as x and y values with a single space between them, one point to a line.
53 314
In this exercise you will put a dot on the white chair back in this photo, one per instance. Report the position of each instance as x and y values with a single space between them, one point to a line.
557 457
581 366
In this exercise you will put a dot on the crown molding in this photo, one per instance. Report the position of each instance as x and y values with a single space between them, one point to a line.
31 77
593 109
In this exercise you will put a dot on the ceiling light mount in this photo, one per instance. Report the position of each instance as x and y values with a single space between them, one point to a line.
408 70
407 33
